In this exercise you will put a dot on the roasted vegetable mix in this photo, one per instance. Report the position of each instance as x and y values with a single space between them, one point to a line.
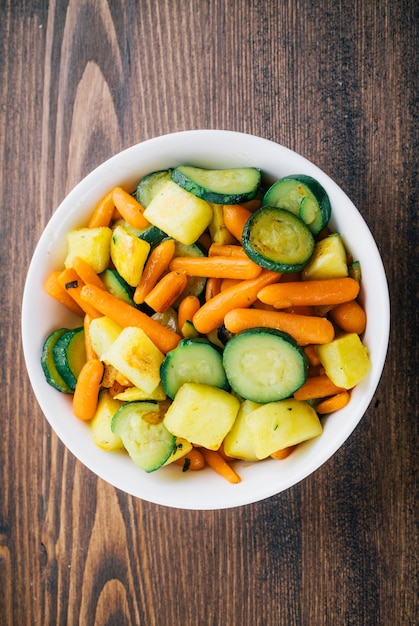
218 319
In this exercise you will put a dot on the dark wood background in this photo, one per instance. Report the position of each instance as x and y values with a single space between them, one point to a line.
338 83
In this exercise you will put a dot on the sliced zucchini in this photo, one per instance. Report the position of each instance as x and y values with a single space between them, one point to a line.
52 376
278 240
69 355
192 361
304 196
152 235
150 185
264 364
144 435
354 271
230 186
117 286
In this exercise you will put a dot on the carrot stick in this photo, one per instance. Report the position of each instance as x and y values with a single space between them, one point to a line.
212 287
130 209
73 284
90 353
86 393
305 329
86 272
126 315
167 291
317 387
350 316
192 460
334 403
220 465
102 214
157 263
310 292
227 249
282 454
212 313
216 266
56 291
235 217
187 309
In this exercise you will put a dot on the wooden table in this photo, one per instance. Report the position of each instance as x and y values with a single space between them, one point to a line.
338 83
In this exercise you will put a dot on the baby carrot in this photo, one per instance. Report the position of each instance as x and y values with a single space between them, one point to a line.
305 329
220 465
217 266
102 214
131 210
126 315
187 309
86 272
334 403
212 287
282 454
317 387
90 353
167 291
235 217
350 316
56 291
312 356
157 263
192 460
310 292
73 284
86 393
219 249
212 313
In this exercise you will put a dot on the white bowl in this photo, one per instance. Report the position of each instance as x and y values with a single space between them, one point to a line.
40 315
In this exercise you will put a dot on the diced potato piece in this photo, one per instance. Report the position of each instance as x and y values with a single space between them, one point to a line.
133 394
345 360
277 425
239 442
129 254
90 244
179 213
100 424
137 358
328 259
218 230
182 448
103 332
202 414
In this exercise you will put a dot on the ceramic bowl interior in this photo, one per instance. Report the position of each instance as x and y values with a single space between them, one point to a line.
40 315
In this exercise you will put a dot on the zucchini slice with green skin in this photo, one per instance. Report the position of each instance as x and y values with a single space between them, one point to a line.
150 185
52 376
194 360
230 186
147 441
69 354
117 286
264 365
277 240
304 196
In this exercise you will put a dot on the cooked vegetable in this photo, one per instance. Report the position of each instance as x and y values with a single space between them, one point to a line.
53 377
238 443
227 250
130 209
196 284
193 361
71 282
310 292
235 218
334 403
230 186
345 360
150 185
55 290
169 288
86 272
117 286
317 387
220 465
86 392
128 254
192 460
218 230
264 364
69 355
157 263
91 244
187 308
100 424
328 259
277 240
217 267
146 439
103 211
304 196
103 332
350 316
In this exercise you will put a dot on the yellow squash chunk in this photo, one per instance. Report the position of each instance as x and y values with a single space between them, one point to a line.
217 228
102 434
129 254
345 360
91 244
137 358
179 213
328 260
202 414
238 442
277 425
182 448
134 394
103 332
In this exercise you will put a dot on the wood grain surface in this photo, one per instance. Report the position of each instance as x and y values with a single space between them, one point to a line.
338 83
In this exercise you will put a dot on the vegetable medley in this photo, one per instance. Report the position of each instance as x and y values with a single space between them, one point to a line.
219 319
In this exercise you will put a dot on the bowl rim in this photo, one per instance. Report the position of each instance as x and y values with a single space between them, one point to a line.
205 144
